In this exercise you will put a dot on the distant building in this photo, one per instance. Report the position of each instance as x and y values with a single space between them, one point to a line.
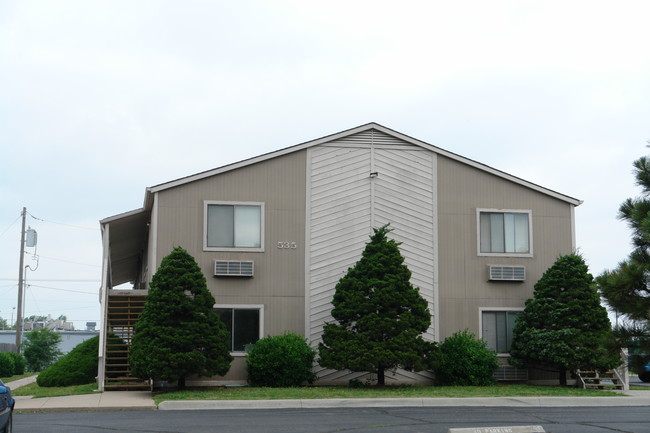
49 323
69 339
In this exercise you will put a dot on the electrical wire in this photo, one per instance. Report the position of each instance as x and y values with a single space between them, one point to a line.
11 225
62 224
62 290
63 280
69 261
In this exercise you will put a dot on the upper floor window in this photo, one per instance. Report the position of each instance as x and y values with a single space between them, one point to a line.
504 232
233 226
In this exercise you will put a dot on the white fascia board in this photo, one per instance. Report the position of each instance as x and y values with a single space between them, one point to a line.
110 219
479 166
260 158
348 132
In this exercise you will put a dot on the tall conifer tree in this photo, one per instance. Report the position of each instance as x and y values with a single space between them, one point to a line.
564 327
626 288
379 315
178 333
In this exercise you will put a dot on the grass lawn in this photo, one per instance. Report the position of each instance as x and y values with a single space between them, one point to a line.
56 391
324 392
252 393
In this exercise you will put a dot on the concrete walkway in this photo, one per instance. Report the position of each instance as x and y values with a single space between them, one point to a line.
114 400
22 382
142 400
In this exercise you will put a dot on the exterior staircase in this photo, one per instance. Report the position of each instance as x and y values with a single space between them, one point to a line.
595 379
612 379
122 313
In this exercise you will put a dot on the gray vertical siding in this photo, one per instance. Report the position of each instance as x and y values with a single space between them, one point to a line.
346 203
464 286
278 283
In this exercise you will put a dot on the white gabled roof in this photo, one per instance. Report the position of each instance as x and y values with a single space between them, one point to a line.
358 129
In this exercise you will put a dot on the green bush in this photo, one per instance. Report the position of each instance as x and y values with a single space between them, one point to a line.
41 348
19 362
281 361
464 360
6 365
78 367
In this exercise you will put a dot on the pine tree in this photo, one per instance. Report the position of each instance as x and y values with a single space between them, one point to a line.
625 289
379 315
178 333
564 327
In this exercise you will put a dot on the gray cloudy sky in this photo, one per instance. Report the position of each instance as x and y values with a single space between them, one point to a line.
100 99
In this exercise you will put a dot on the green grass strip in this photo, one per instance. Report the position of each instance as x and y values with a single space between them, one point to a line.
325 392
56 391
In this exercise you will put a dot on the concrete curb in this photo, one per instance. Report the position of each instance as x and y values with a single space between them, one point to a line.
409 402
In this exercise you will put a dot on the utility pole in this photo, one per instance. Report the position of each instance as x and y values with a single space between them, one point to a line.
19 316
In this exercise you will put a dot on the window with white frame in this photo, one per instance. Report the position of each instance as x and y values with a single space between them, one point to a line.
243 323
498 327
504 232
233 226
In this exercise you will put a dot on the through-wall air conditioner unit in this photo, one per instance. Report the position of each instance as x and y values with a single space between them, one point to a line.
233 268
507 273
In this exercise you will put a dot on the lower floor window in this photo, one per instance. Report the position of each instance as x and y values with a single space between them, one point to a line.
243 325
498 329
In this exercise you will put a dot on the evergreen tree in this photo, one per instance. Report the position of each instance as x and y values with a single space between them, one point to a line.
379 315
178 333
564 327
626 288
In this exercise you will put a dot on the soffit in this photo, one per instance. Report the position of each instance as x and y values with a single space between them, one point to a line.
127 235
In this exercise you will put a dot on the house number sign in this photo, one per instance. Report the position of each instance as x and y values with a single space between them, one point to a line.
287 245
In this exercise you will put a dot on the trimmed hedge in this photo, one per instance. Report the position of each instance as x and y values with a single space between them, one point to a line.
465 361
78 367
7 365
281 361
20 363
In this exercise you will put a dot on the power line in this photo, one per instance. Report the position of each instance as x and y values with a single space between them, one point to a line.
11 225
58 280
69 261
63 224
62 290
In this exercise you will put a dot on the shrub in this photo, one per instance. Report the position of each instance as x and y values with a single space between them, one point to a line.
41 348
19 362
465 361
78 367
6 365
282 360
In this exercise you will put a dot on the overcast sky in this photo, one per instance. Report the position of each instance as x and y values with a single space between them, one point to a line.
100 99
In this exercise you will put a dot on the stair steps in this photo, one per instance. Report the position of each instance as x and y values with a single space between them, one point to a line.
595 379
122 314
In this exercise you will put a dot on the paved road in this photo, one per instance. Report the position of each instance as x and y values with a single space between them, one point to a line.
358 420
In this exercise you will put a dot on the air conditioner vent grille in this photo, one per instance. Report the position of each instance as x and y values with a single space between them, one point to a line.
507 372
233 268
507 273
